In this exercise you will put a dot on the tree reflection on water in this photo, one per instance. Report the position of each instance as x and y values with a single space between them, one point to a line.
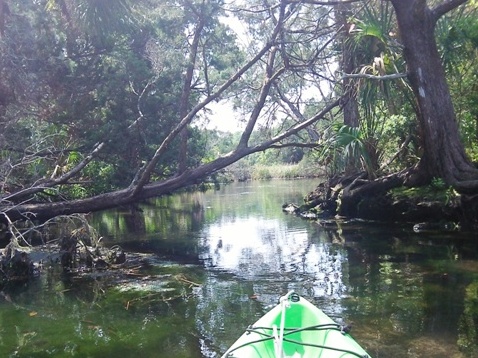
407 294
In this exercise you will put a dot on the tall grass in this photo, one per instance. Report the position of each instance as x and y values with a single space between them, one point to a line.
304 169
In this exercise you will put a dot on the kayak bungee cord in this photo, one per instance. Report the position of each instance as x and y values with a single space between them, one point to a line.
326 347
328 326
283 341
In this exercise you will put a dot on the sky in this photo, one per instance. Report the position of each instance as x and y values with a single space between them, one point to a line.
223 118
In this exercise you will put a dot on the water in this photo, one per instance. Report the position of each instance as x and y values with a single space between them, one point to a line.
220 259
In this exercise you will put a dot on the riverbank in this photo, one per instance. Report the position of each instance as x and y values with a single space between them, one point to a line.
432 207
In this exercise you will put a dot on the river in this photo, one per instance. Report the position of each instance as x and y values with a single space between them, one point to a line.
234 253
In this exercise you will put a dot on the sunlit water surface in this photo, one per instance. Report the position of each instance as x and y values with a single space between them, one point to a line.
406 294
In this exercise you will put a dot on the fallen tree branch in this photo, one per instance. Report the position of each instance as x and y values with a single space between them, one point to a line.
144 174
56 181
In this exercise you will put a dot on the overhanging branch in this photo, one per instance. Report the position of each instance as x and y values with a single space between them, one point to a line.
373 77
325 3
446 6
298 127
294 144
143 175
56 181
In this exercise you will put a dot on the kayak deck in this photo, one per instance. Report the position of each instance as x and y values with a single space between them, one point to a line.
295 328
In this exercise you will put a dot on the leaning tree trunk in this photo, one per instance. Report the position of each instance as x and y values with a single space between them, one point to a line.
343 12
444 155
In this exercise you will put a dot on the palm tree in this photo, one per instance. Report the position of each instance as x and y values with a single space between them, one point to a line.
344 142
98 19
370 53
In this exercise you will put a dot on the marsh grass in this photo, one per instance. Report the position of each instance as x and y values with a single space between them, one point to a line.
284 171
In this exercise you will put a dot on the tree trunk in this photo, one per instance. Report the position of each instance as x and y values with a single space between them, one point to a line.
44 211
444 155
347 65
142 191
3 7
185 96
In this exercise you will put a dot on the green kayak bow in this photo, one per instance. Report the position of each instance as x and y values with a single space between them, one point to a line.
295 328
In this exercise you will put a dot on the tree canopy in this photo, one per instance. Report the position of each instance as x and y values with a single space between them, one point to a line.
105 105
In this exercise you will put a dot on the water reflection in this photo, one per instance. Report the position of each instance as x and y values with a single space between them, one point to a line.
404 292
407 294
264 250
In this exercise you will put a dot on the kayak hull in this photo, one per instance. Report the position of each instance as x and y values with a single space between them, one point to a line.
307 332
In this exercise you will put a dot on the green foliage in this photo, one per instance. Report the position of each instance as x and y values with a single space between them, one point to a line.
457 37
436 191
342 145
90 72
399 142
100 20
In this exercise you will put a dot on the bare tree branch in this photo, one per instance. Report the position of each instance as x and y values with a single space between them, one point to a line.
144 174
444 7
187 84
294 144
299 126
373 77
325 3
42 185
